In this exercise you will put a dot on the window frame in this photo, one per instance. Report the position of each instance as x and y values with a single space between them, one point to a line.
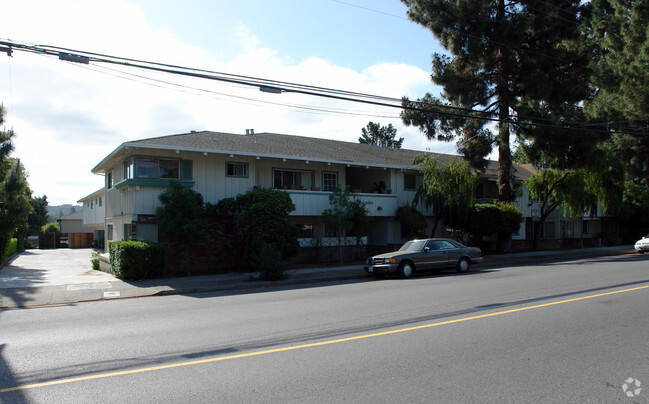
405 183
305 182
235 164
326 187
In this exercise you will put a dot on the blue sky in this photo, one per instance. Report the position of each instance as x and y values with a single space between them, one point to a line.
354 33
68 117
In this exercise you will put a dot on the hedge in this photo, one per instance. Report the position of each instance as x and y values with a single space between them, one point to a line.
12 248
134 260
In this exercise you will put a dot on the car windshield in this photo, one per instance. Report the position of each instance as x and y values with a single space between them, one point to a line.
414 245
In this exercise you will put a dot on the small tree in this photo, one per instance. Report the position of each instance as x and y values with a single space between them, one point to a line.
382 136
344 212
38 217
413 222
357 212
449 188
265 229
181 218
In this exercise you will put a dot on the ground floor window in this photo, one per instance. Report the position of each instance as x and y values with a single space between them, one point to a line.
236 170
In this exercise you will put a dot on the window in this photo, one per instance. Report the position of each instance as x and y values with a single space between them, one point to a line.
157 168
290 179
236 170
409 182
586 229
109 231
128 169
109 180
99 201
329 181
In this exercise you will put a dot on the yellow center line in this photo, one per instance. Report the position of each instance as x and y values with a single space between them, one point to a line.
311 345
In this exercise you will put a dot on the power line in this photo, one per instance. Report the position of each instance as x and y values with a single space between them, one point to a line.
274 86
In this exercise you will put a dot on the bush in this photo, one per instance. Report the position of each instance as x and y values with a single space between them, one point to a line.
134 260
271 267
484 220
12 248
95 261
51 228
413 222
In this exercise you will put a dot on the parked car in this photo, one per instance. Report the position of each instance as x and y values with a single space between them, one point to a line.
424 255
642 245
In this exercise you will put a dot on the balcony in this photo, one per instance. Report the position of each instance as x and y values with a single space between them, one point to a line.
313 203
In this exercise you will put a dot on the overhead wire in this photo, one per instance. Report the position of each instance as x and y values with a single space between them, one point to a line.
287 87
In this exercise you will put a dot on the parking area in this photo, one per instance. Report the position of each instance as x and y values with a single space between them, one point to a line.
62 266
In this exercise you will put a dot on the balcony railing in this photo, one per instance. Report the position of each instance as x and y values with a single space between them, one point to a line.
313 203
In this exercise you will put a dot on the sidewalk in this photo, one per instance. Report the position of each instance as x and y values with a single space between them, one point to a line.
97 285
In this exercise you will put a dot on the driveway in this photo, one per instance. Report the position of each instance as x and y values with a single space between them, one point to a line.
63 266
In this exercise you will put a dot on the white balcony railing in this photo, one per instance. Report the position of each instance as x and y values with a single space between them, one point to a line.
313 203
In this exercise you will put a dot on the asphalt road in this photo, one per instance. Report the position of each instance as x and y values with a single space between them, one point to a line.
571 332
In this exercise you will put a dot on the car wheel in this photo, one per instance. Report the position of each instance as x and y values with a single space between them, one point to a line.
406 270
463 265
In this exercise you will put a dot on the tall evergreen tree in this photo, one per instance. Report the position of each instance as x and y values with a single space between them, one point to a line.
507 58
619 28
14 189
38 217
382 136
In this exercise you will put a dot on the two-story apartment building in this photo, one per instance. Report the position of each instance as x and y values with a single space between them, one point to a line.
221 165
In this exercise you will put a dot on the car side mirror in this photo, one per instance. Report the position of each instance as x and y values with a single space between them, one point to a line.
426 249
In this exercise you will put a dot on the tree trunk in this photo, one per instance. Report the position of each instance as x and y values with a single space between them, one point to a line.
432 233
504 100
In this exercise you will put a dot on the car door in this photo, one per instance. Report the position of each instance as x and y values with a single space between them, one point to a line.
452 253
434 256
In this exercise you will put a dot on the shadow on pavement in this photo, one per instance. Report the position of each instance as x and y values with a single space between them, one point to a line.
8 380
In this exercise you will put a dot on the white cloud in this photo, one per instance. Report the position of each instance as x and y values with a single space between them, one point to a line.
69 116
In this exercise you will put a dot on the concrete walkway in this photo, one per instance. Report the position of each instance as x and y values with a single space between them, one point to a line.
65 276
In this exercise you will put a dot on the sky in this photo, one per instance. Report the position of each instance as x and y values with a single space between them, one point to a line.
67 116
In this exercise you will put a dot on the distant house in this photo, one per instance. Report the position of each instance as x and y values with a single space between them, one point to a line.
94 215
221 165
72 223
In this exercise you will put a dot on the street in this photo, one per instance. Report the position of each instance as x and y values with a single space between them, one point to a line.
557 332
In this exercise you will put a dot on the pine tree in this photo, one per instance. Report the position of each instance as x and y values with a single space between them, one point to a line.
619 28
382 136
507 58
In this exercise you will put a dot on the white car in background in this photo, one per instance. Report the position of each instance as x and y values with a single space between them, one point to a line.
642 245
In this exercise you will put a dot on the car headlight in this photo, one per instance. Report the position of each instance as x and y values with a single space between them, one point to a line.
389 260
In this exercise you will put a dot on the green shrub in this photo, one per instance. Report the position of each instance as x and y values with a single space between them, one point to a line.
95 261
134 260
12 248
271 267
51 228
413 222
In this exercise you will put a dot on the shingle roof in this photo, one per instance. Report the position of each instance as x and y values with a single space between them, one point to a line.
293 147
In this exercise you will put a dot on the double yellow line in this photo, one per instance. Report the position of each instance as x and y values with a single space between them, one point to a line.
303 346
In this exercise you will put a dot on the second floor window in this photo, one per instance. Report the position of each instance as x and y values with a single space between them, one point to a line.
292 179
157 168
329 181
